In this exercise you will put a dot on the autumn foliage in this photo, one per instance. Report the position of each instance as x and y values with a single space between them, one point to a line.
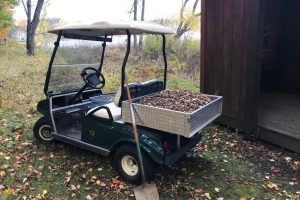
4 33
5 18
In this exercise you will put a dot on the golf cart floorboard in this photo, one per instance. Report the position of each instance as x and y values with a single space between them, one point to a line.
71 138
72 133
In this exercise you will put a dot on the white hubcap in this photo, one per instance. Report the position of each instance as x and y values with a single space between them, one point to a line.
129 165
45 132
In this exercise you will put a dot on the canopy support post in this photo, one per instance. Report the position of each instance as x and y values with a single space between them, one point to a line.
102 54
165 60
56 45
124 66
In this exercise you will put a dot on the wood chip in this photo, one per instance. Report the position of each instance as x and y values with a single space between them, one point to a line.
179 100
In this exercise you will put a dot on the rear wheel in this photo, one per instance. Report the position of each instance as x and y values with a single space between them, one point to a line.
127 165
42 130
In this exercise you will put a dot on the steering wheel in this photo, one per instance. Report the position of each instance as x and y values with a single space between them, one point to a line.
93 77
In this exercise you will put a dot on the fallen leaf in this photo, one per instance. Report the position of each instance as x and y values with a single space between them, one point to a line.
217 189
292 183
44 193
272 186
116 182
73 187
98 182
102 184
88 197
67 180
243 198
207 195
2 173
276 170
288 159
199 190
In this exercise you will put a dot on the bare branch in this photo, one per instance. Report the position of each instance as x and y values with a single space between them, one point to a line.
195 6
25 9
181 20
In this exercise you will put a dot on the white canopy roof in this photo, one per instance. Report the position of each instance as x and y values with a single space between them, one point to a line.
113 28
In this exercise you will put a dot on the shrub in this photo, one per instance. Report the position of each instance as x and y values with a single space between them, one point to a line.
185 53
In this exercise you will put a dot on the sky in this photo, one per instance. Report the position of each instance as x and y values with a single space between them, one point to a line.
72 11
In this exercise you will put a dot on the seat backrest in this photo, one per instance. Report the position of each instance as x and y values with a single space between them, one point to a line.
118 97
132 89
140 89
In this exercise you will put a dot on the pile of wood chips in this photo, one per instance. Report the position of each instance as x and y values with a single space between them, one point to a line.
179 100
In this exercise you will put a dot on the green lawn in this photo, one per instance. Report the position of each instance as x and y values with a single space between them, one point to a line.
223 166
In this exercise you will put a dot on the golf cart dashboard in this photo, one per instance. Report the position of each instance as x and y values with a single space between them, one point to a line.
61 100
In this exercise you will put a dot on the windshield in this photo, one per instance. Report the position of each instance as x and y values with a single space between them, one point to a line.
71 58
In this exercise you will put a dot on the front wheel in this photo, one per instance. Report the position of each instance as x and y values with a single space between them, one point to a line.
42 130
127 165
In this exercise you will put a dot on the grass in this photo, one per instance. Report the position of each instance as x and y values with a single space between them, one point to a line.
29 169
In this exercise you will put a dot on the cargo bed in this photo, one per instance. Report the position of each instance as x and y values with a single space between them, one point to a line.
176 122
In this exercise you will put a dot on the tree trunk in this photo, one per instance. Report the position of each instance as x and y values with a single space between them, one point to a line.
181 19
29 40
142 19
32 24
135 18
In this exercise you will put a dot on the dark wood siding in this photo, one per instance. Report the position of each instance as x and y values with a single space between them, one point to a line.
230 57
291 46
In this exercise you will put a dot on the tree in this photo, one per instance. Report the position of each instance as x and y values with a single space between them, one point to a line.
6 20
134 10
135 3
187 20
32 23
142 19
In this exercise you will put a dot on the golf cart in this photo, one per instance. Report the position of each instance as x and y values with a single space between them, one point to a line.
78 112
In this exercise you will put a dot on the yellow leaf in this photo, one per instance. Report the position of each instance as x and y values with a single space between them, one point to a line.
88 197
243 198
207 195
44 193
98 182
272 185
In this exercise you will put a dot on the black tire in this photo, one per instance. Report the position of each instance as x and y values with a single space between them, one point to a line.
126 152
42 130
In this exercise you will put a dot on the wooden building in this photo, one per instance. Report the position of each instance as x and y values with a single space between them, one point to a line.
250 54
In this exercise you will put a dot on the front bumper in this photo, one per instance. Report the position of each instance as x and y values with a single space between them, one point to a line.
173 157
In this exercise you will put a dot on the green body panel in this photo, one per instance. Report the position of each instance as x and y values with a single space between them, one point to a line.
43 107
110 135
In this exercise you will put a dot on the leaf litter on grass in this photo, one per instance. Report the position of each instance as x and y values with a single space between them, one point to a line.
222 166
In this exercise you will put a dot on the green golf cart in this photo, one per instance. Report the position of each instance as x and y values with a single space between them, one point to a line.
77 111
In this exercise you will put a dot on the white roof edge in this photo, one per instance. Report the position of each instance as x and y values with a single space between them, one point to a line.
102 28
